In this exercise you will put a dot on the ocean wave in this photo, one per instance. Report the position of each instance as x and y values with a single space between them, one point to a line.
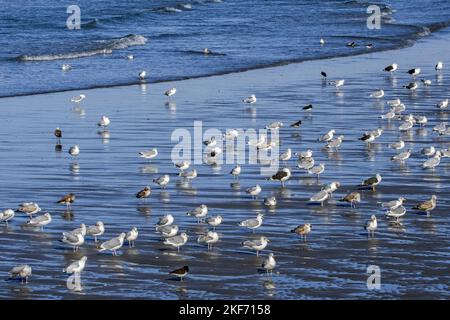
107 48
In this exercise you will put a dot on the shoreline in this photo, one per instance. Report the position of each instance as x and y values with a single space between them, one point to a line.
408 43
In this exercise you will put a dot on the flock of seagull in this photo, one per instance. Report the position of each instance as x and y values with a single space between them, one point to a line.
169 231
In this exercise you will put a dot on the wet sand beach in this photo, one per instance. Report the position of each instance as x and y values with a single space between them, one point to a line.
331 264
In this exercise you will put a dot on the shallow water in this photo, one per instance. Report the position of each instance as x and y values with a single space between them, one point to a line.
167 37
331 264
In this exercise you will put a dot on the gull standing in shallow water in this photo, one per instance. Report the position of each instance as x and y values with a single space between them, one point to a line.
78 99
209 238
68 199
391 68
74 151
403 156
336 143
257 245
317 170
394 204
40 221
270 202
167 231
200 212
328 136
303 230
104 122
76 267
96 230
177 241
150 154
114 244
372 182
378 94
396 213
282 176
183 165
236 171
269 264
352 198
214 221
320 197
254 191
250 100
397 145
22 272
170 92
131 236
74 240
6 215
427 206
29 208
252 224
188 175
371 226
162 181
433 162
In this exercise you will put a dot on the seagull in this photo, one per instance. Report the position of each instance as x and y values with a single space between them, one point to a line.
367 137
252 224
397 145
189 175
412 86
231 134
165 220
269 264
389 115
6 215
427 206
76 267
308 107
183 165
428 151
414 72
209 238
399 109
58 133
352 198
206 51
426 82
270 202
74 240
351 44
199 212
320 197
104 122
275 125
322 41
23 272
391 68
257 245
68 199
177 241
305 163
332 187
336 143
296 124
407 125
372 182
393 102
180 273
129 57
250 100
236 171
442 104
441 127
433 162
96 230
162 181
74 151
40 221
167 231
323 74
394 204
337 83
81 230
282 176
142 75
302 230
317 170
396 213
78 99
421 120
210 142
371 225
305 154
66 67
144 193
170 92
439 66
403 156
254 191
150 154
113 244
29 208
377 94
328 136
214 221
131 236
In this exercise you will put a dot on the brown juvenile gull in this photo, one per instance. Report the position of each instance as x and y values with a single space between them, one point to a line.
352 198
427 206
29 208
302 230
282 176
144 193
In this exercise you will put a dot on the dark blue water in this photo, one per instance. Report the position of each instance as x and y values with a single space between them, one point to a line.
167 36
